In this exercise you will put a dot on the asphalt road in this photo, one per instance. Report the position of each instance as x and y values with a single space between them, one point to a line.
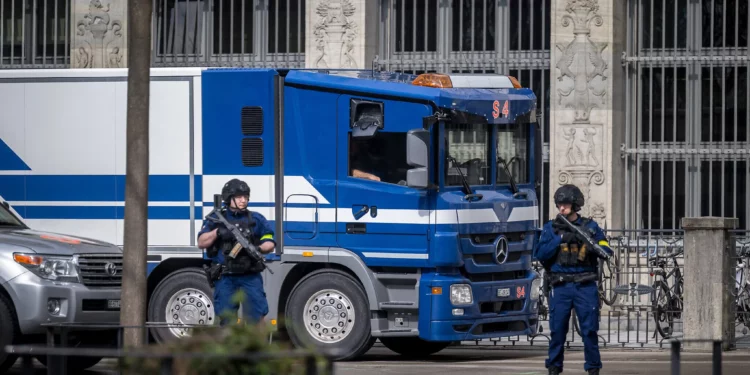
526 361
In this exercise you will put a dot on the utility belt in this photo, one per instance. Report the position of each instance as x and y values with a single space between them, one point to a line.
562 278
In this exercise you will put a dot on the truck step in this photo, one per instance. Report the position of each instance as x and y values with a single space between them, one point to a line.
396 305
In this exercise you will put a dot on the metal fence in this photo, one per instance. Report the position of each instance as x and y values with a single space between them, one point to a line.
641 294
686 150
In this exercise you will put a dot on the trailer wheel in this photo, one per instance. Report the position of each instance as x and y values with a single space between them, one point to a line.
413 346
182 298
328 310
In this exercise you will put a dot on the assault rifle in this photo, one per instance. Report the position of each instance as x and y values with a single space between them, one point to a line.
242 242
589 241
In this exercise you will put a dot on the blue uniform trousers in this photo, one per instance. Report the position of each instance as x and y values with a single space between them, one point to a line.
255 304
584 297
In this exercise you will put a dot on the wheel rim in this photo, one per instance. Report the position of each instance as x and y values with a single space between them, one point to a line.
329 316
190 307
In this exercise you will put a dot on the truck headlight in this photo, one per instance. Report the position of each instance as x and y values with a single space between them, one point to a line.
535 288
461 294
49 267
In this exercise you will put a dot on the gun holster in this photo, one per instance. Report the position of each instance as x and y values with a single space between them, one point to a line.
213 272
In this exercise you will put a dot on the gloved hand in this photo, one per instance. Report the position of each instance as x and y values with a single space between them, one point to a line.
568 237
224 233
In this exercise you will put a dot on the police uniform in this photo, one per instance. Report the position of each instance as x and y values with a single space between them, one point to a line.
572 270
241 273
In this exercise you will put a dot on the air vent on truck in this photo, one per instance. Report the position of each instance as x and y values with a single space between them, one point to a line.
252 121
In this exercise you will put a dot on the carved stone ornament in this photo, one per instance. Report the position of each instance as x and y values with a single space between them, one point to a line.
335 33
582 87
99 39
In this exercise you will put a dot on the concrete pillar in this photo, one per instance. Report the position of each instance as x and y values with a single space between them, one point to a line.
341 34
708 303
587 104
99 34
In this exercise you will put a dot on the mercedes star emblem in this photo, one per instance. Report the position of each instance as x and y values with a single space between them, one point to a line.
501 250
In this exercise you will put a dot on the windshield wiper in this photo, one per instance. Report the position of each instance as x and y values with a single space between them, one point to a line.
513 186
466 188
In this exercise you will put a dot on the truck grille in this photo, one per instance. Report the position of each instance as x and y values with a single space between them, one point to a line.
100 270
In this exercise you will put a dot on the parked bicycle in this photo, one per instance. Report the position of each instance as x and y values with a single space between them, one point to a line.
666 300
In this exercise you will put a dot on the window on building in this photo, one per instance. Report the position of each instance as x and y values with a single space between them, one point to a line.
381 157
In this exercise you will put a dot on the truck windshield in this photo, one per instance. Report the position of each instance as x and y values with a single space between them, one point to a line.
469 145
7 219
513 147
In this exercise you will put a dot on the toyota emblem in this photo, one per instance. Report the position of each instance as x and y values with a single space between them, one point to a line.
110 268
501 250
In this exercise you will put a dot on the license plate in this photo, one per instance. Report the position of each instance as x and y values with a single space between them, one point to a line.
113 303
503 292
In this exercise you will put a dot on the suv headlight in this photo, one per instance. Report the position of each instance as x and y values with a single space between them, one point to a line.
49 267
535 288
461 294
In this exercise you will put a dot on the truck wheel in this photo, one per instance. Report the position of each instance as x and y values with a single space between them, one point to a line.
182 298
8 334
328 310
413 346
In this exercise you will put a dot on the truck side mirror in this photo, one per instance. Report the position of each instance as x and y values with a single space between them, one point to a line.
418 156
365 118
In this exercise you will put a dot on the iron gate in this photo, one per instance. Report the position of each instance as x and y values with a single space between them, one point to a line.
686 150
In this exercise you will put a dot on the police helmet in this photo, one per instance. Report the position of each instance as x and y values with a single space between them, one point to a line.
569 194
234 187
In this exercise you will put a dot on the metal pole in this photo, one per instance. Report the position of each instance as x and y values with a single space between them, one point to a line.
675 358
279 161
717 358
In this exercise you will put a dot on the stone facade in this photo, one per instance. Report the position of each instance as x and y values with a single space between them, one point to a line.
585 119
99 34
342 34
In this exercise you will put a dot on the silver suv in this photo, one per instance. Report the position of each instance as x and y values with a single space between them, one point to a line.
51 278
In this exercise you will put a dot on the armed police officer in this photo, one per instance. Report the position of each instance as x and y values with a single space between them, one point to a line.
242 273
571 258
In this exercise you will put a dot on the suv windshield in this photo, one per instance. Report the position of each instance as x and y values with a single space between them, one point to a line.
513 146
469 145
7 218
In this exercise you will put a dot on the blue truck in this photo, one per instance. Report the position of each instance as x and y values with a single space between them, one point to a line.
404 206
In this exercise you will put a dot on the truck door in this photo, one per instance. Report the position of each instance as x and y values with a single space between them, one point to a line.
378 217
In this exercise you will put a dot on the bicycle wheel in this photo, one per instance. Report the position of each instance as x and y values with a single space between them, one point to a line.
609 278
663 309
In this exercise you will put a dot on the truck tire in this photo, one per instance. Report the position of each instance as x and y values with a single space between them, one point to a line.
8 334
328 310
184 297
413 346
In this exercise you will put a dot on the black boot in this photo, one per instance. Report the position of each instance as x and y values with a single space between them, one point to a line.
594 371
554 370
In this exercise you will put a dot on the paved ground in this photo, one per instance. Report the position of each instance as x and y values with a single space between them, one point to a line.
519 361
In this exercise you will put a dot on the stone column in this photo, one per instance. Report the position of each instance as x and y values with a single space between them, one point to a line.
709 279
341 34
99 38
587 104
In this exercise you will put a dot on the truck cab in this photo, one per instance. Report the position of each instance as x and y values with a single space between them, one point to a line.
407 202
